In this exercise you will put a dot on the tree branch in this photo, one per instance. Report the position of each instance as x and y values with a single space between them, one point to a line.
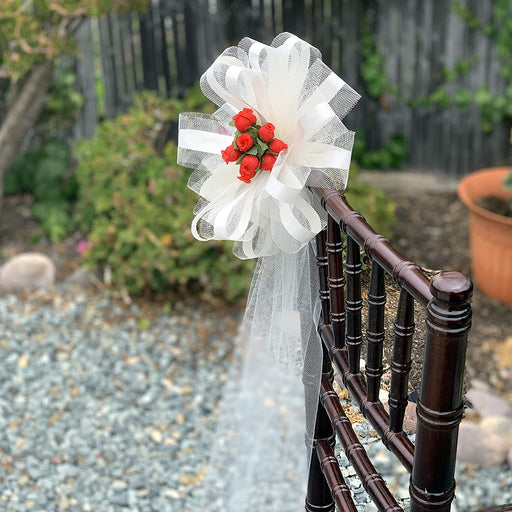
22 114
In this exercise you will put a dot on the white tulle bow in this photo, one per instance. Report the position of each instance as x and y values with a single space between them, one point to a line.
273 217
288 85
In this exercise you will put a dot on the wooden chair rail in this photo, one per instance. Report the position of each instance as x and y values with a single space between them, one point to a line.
372 482
397 442
331 469
406 273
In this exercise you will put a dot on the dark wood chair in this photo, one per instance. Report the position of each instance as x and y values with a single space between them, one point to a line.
446 298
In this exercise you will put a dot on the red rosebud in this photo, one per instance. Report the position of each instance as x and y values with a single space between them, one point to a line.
244 142
230 154
248 168
276 146
244 119
266 132
267 161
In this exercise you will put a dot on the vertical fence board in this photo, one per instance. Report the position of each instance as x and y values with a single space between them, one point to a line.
87 120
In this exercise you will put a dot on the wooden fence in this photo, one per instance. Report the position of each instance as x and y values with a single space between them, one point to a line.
169 47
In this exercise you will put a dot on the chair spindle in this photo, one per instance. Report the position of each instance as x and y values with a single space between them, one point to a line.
321 260
375 333
401 360
336 281
353 305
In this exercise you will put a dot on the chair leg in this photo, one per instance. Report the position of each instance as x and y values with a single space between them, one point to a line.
319 497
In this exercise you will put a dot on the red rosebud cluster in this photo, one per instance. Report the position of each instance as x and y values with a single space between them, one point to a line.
254 148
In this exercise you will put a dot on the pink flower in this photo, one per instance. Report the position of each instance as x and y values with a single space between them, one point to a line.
83 246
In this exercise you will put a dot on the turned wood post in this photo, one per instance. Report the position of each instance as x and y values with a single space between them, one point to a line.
440 407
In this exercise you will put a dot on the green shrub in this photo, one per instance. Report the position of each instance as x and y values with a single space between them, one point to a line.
136 208
389 156
371 202
44 173
55 218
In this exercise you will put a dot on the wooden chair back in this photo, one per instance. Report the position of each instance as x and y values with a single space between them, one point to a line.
446 298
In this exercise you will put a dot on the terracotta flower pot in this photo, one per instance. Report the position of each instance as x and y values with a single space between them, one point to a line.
490 233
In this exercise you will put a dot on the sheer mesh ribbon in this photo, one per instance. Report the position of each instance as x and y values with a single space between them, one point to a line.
257 463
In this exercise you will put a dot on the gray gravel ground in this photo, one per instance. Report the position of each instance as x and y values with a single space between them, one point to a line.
104 410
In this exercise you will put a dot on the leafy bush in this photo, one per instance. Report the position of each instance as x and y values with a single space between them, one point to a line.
63 105
44 173
371 202
390 156
136 208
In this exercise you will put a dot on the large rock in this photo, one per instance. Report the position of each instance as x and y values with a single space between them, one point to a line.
27 271
487 403
410 419
477 446
499 425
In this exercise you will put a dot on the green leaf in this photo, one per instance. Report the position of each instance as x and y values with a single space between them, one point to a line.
261 151
253 131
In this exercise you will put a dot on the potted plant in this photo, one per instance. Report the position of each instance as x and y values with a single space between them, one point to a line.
487 194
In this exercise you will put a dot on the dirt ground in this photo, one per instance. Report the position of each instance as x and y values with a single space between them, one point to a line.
432 230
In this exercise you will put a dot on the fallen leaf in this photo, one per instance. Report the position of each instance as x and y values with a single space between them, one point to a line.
191 479
56 416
